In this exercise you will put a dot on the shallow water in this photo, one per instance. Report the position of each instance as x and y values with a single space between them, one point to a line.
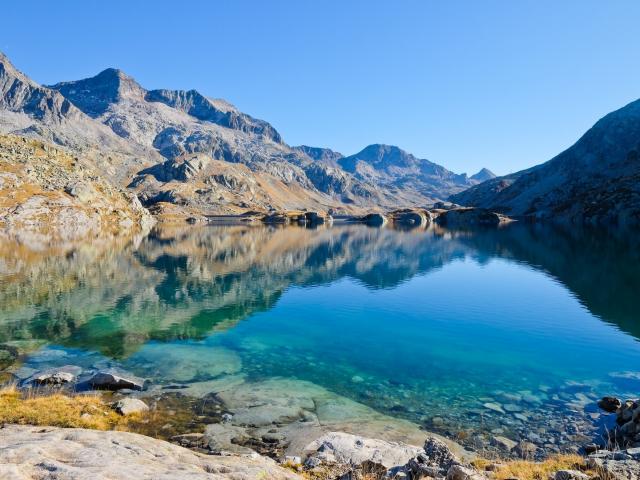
514 331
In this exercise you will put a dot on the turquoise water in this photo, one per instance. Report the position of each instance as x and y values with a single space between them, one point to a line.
426 325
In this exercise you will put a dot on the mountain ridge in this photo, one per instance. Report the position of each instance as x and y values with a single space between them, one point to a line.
142 137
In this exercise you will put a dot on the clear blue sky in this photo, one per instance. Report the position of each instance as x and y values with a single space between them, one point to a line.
503 84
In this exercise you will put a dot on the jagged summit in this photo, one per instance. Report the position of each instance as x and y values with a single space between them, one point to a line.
94 95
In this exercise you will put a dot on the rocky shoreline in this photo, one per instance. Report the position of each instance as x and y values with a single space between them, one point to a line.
315 432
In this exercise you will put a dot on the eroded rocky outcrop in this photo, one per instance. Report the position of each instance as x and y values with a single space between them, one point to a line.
29 453
44 189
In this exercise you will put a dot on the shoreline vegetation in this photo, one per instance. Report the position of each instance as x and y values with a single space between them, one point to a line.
45 402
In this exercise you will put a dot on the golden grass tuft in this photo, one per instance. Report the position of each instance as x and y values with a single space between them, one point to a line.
528 470
58 410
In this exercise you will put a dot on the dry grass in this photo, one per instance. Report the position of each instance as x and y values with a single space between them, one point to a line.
528 470
81 411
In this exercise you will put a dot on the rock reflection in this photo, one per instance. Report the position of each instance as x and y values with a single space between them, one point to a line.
179 283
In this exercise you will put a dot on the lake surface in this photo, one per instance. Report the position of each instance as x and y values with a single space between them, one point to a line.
516 331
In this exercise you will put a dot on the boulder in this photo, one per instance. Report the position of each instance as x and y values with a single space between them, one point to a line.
609 404
353 450
28 452
503 442
435 461
458 472
461 217
54 376
412 218
276 218
374 219
315 218
112 379
128 406
570 475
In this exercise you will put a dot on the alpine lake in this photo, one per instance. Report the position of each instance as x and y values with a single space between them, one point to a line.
473 334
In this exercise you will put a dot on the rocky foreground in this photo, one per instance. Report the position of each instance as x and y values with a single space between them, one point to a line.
28 452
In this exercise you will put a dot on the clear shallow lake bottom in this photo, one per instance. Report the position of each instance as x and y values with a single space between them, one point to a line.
514 332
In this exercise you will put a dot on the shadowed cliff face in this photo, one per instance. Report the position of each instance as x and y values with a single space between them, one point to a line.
186 283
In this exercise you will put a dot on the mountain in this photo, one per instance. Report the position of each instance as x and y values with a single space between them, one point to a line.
324 155
483 175
393 168
597 180
31 110
199 155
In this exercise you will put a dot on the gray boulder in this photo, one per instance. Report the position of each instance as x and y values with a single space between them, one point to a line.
128 406
348 449
54 376
570 475
112 379
434 461
458 472
28 452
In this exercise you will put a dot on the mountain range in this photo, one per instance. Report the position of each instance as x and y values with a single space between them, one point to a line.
182 152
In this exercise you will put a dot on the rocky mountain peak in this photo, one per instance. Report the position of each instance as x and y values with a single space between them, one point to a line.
483 175
94 95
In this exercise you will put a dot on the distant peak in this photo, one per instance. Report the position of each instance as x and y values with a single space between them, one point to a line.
483 175
94 95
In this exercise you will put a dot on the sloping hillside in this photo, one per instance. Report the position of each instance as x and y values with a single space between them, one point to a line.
597 180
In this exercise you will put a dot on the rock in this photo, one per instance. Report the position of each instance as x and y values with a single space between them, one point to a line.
412 218
54 376
128 406
375 219
493 406
277 218
623 465
525 449
512 408
71 453
609 404
315 218
112 379
503 443
434 461
458 472
570 475
472 216
353 450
